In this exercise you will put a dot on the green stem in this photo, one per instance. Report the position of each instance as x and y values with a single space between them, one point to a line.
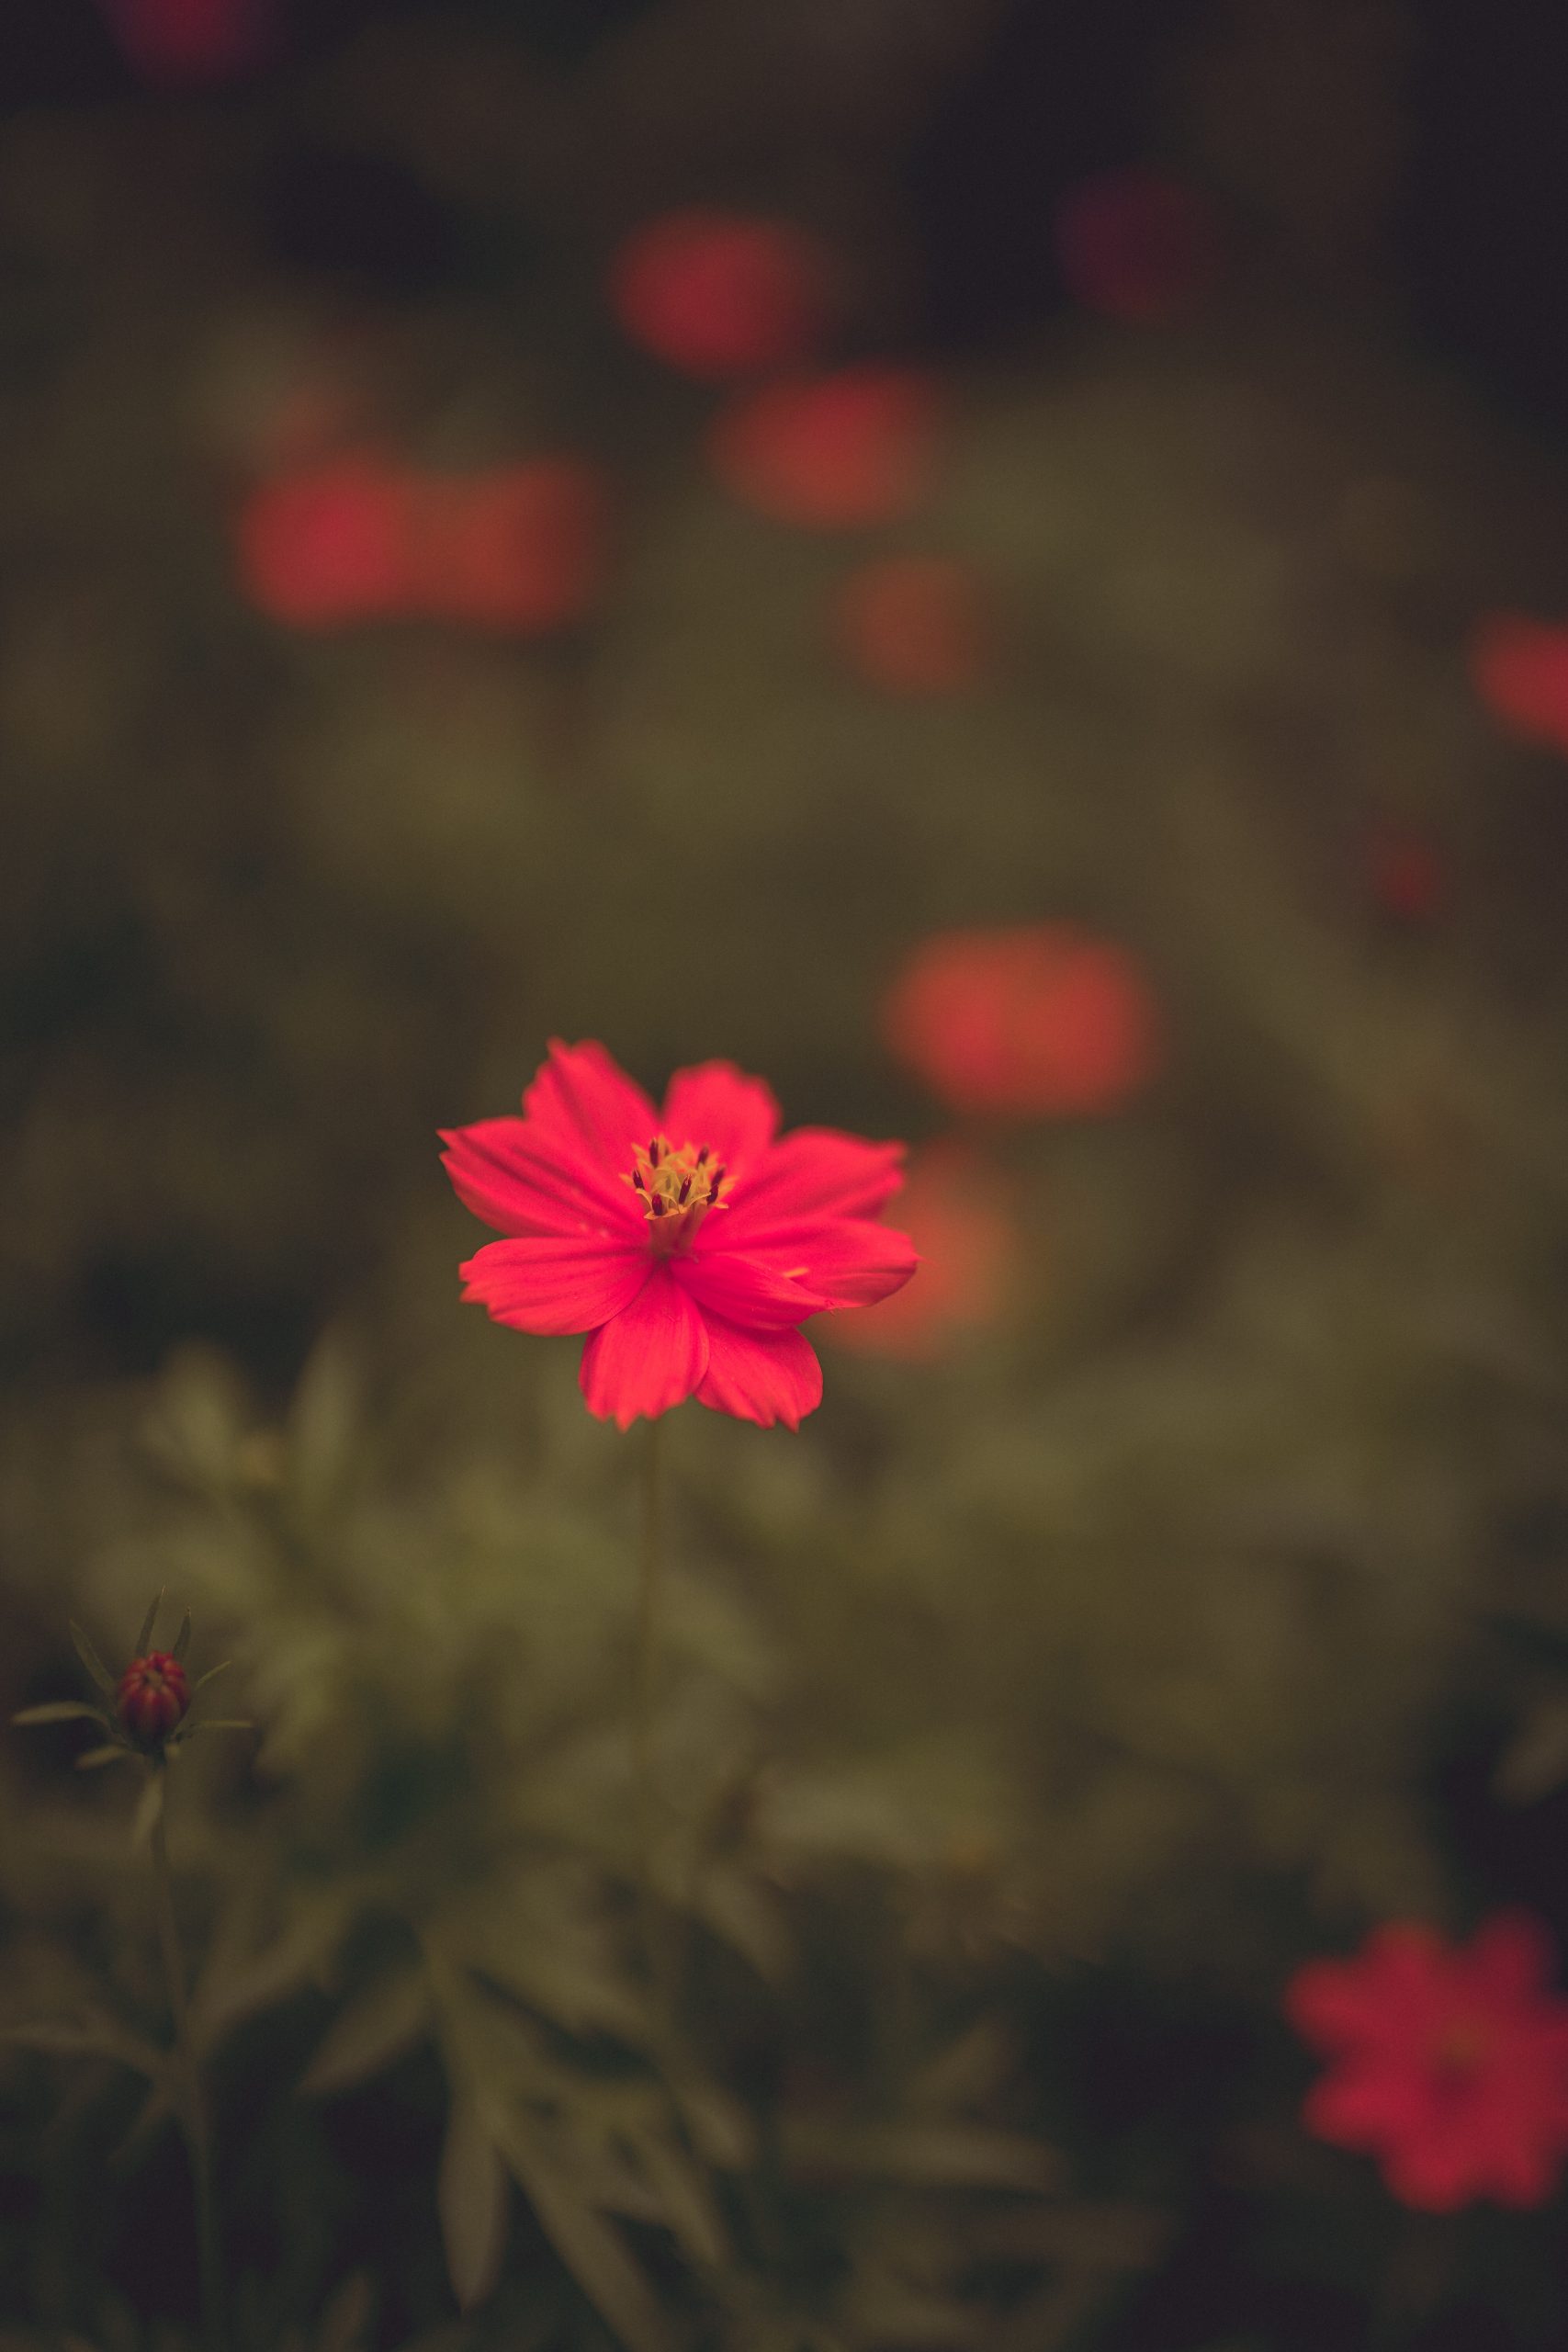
645 1691
193 2102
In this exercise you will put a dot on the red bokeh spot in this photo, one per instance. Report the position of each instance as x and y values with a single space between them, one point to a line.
191 40
716 294
831 452
1137 246
329 544
914 624
1519 668
954 1208
1036 1022
522 549
1406 875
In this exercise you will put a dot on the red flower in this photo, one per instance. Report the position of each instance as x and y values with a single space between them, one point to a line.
1405 874
151 1696
688 1242
330 543
831 452
520 547
190 40
1451 2066
913 625
1520 670
354 538
1040 1021
957 1216
1137 245
715 294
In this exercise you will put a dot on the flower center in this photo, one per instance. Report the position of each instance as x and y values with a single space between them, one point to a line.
1462 2046
676 1189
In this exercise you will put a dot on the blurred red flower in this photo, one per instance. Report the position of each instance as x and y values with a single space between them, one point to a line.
522 547
1519 668
954 1209
913 625
190 40
689 1243
519 548
1040 1021
1137 245
328 543
1450 2065
1406 875
719 294
831 452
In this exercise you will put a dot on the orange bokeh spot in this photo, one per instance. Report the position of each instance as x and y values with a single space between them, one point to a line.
1519 668
1137 246
719 294
955 1210
913 625
831 452
190 40
1037 1022
329 544
522 549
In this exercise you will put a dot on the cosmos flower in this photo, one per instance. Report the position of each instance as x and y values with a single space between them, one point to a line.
833 452
1137 245
1043 1020
191 40
913 625
360 537
1450 2065
151 1696
960 1219
1519 668
690 1243
719 294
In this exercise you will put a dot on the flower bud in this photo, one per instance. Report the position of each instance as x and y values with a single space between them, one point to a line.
152 1697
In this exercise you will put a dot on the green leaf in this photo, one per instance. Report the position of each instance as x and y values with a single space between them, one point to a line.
218 1722
61 1710
926 2156
92 1661
471 2197
591 2249
203 1679
685 2199
182 1638
112 1752
91 2037
369 2033
145 1635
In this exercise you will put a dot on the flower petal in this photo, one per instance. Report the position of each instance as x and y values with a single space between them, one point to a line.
647 1359
717 1105
585 1104
816 1171
735 1286
498 1172
558 1282
848 1261
761 1376
1509 1957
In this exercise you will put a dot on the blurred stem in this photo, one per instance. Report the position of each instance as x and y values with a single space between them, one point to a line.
193 2102
651 1583
1414 2279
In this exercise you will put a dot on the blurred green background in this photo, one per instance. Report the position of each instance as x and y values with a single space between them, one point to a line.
1029 1716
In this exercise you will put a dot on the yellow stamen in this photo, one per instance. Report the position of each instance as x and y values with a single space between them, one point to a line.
676 1189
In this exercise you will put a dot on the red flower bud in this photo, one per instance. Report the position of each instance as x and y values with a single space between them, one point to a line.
153 1695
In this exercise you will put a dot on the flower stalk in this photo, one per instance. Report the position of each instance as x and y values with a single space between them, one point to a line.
192 2096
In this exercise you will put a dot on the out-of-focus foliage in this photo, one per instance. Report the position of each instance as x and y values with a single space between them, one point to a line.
1024 1720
